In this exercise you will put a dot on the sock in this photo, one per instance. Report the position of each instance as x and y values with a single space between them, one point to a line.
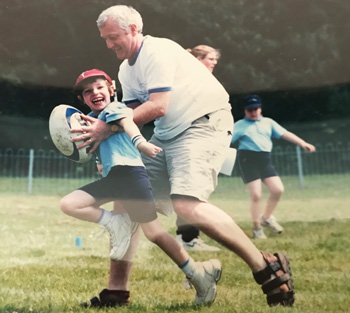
188 268
105 217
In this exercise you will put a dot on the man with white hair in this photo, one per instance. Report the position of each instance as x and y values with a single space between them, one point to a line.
193 126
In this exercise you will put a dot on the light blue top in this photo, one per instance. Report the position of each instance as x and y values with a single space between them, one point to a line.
118 148
256 135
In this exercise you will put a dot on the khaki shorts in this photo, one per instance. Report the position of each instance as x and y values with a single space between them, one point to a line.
190 163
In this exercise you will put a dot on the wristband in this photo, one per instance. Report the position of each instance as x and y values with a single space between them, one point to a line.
136 140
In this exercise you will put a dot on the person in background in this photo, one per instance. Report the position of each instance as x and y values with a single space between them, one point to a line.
209 56
254 135
189 235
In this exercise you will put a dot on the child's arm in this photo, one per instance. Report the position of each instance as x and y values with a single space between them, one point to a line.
138 140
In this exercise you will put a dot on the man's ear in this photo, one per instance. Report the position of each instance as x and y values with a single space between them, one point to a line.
80 99
133 29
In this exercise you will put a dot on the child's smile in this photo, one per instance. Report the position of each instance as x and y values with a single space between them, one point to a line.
97 95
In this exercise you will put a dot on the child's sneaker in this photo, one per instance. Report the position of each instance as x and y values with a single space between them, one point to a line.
272 224
204 280
258 233
120 229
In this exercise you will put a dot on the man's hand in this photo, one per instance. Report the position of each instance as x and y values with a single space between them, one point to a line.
93 134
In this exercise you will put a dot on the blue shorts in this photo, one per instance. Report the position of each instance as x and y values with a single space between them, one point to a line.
255 165
129 185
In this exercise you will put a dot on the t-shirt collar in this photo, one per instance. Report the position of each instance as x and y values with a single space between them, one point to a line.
137 54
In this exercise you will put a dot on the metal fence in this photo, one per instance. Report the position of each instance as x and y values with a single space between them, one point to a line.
49 172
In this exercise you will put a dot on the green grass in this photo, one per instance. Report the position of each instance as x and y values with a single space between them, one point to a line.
41 270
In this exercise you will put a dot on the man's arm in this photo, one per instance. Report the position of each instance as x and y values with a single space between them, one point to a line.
298 141
155 107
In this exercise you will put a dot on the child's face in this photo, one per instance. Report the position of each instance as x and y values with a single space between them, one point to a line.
97 95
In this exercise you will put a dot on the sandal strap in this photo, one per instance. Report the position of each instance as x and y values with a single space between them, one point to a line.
265 274
275 283
272 282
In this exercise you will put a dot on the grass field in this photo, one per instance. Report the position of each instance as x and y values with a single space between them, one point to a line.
42 271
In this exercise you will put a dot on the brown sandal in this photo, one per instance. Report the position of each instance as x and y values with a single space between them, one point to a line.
279 288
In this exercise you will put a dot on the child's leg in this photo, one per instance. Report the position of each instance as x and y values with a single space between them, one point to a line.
117 292
81 205
120 271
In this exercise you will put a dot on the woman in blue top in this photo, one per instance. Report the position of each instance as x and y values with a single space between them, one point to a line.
254 134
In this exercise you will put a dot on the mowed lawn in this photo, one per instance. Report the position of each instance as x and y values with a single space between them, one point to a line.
41 269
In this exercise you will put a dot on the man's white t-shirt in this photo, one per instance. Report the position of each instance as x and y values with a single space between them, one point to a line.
163 65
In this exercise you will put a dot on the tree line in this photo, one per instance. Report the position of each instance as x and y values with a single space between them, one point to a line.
293 53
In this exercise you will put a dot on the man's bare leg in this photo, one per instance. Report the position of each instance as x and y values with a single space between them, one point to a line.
220 226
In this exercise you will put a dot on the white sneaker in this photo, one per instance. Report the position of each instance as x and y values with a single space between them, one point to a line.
204 280
196 244
258 233
120 230
272 224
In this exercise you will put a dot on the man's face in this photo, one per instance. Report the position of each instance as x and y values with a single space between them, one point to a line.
123 43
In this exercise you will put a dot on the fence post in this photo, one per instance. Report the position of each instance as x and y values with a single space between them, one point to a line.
300 167
30 171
